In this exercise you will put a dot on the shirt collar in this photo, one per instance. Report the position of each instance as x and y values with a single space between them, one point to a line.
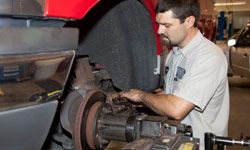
176 50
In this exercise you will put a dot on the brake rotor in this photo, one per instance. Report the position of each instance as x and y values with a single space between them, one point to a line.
91 123
85 120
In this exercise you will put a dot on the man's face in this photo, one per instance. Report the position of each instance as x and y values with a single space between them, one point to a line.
170 29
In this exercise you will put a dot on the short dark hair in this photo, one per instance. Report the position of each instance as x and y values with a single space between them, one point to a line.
180 8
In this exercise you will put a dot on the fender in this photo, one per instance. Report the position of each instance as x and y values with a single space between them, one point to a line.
74 9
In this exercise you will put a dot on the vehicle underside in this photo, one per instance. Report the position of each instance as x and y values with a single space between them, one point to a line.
57 76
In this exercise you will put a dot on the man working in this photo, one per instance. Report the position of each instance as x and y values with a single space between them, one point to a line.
196 84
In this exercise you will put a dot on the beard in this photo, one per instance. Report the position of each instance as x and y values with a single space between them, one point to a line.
166 40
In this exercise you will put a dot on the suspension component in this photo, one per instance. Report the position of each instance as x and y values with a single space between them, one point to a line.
97 123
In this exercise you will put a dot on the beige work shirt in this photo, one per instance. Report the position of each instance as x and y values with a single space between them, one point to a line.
198 74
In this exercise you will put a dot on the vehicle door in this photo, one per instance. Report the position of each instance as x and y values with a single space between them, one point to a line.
240 54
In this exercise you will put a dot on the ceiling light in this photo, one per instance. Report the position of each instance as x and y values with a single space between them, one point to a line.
230 4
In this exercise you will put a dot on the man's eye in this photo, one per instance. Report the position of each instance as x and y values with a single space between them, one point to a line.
167 26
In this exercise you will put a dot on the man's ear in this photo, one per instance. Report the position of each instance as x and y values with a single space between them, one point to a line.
189 22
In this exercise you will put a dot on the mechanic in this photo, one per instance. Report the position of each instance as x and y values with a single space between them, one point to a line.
196 85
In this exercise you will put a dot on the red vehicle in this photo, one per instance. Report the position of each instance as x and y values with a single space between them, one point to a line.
59 60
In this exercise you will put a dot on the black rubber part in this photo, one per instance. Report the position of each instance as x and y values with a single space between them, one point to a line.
119 35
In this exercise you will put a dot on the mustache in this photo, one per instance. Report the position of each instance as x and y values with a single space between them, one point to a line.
165 40
163 36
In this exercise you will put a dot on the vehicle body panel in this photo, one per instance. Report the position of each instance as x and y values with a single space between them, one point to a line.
240 61
239 57
29 101
21 128
66 9
75 9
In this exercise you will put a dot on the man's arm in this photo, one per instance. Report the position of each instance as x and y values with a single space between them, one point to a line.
163 104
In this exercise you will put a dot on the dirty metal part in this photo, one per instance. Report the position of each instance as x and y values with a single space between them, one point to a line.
211 140
91 124
165 142
174 142
80 123
116 127
120 100
139 144
96 124
69 110
85 79
143 131
121 106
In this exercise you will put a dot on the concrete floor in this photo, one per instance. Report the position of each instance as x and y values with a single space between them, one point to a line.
239 121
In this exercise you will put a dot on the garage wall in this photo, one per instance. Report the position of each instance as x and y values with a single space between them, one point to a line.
240 19
207 7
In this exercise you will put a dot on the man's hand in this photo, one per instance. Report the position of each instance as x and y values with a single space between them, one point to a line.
111 96
133 95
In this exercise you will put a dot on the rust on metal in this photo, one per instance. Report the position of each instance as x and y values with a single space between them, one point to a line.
91 123
79 132
84 76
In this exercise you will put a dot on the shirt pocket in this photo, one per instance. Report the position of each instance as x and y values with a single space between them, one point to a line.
180 72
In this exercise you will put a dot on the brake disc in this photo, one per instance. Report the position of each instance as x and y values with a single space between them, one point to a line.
85 120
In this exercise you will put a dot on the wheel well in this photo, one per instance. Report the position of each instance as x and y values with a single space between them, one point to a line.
120 36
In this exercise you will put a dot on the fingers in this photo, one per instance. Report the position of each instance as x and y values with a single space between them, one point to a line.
127 94
111 96
133 95
115 95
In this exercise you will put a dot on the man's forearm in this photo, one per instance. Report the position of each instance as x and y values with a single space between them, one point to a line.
166 105
163 104
158 103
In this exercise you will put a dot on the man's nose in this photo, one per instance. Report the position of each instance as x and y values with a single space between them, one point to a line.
161 30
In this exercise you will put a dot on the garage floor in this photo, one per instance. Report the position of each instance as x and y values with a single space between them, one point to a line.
239 121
